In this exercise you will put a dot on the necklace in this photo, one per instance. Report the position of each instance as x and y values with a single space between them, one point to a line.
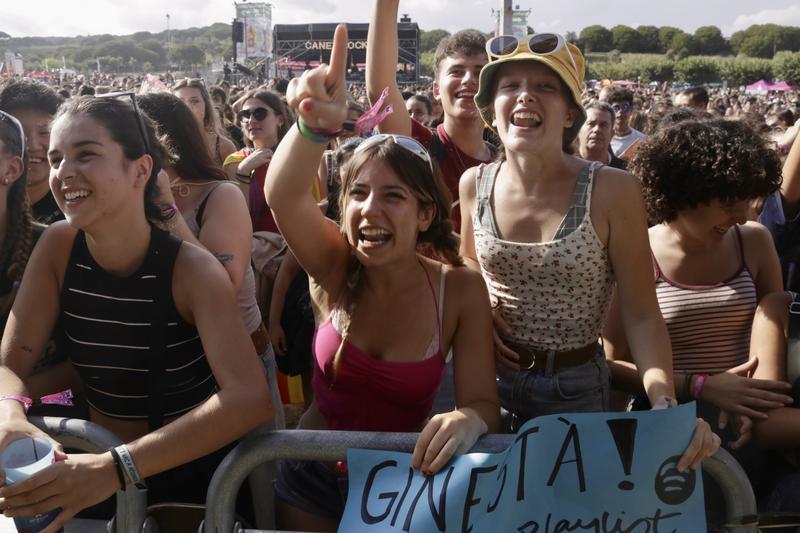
182 188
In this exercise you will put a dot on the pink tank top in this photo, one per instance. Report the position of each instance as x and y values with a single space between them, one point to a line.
369 394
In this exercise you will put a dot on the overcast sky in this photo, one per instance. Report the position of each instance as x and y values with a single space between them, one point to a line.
87 17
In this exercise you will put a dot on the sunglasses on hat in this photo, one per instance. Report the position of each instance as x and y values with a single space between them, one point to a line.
259 113
541 44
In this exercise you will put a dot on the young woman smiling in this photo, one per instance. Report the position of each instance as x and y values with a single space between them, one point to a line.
387 315
265 120
551 234
132 301
194 94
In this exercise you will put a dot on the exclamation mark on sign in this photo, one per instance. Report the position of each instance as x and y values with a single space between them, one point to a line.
624 432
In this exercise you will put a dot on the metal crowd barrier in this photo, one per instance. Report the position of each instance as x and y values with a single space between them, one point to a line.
131 515
740 512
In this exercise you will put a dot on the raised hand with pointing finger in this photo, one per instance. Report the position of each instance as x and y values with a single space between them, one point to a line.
320 94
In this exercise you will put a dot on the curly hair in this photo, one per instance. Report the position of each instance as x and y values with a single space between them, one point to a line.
698 161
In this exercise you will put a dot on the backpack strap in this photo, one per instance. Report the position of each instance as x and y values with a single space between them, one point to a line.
436 147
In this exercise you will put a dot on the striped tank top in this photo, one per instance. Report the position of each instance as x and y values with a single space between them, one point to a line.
709 325
107 323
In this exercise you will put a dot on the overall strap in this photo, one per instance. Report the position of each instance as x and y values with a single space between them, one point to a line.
594 166
484 216
163 253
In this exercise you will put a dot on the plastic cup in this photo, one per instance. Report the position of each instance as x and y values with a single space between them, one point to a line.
23 458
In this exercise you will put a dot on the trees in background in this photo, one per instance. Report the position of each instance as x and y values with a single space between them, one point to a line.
760 51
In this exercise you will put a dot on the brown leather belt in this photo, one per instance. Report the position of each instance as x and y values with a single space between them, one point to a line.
260 339
532 359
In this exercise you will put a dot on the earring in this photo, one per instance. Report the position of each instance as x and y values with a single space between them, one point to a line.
5 181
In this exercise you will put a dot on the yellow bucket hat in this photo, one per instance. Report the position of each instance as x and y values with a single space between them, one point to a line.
564 58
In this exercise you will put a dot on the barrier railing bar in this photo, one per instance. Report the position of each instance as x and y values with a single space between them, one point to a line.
89 437
333 445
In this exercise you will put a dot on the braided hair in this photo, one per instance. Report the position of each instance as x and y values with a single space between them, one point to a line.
18 240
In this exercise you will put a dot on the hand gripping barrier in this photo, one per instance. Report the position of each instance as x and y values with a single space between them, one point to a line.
740 502
88 437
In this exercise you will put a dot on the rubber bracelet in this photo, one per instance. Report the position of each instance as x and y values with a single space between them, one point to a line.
118 468
130 467
698 385
312 135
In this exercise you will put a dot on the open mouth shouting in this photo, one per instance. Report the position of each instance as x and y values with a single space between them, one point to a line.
526 119
373 237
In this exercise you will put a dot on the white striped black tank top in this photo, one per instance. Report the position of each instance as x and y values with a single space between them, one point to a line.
709 325
107 323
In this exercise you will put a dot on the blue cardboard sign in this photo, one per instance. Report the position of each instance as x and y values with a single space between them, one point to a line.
600 472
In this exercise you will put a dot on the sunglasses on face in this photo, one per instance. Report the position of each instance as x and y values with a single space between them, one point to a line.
542 44
259 113
139 119
5 117
621 108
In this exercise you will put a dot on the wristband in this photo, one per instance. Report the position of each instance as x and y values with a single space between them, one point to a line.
316 135
118 468
24 400
698 385
59 398
129 466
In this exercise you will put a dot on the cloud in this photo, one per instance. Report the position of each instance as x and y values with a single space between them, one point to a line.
788 16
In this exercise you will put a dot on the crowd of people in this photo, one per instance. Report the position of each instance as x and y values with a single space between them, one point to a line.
508 243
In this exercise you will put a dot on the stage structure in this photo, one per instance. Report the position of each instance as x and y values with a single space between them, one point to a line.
252 31
299 47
